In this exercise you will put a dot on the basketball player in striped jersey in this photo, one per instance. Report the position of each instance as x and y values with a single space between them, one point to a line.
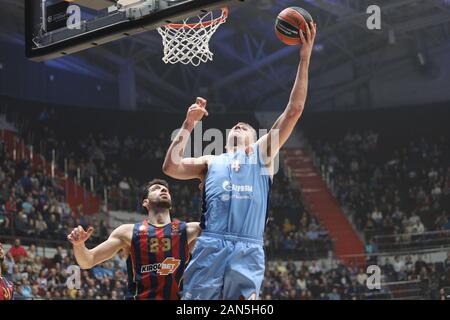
6 287
158 249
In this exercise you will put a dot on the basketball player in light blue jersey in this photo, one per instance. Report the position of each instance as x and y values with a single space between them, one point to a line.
228 260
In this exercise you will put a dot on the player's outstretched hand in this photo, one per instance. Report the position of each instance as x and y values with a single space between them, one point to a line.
79 236
308 41
197 111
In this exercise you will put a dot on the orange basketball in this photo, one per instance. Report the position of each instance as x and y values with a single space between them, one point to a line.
289 23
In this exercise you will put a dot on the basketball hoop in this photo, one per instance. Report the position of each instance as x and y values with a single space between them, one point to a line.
188 42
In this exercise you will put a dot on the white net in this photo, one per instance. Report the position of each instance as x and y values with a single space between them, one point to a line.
188 42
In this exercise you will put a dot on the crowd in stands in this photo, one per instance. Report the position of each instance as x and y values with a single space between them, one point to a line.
315 280
39 213
39 277
30 201
32 205
292 230
98 157
385 191
389 188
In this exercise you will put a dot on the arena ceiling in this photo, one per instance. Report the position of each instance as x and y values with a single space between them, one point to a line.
251 67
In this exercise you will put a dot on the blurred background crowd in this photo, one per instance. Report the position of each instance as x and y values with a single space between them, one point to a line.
393 192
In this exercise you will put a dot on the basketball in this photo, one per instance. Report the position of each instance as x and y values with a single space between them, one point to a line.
288 24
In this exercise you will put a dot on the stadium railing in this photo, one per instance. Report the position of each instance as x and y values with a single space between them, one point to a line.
309 250
44 247
413 241
398 290
377 258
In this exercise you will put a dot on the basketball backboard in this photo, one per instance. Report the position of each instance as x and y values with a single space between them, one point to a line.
56 28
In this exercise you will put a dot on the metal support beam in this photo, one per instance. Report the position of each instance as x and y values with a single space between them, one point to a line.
127 87
284 52
162 87
386 67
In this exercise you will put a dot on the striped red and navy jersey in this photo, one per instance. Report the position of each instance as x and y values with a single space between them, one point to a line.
6 289
159 255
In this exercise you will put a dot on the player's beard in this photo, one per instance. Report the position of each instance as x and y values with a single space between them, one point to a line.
161 203
1 261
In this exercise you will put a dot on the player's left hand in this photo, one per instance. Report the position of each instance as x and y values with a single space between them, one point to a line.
308 41
197 111
79 236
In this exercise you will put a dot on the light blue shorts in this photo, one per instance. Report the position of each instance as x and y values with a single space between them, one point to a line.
224 267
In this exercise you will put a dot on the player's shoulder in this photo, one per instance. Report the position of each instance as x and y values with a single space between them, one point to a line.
207 159
193 226
180 223
126 226
215 159
192 223
124 230
124 233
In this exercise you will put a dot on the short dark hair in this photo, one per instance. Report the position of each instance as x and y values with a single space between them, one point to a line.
151 183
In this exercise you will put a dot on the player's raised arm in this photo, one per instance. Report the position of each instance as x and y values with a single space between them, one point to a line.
89 258
283 127
175 165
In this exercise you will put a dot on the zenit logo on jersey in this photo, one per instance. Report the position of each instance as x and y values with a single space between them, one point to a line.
228 186
168 266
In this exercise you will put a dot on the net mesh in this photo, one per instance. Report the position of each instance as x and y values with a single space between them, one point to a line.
188 42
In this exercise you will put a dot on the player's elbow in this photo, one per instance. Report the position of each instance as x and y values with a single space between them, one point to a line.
84 265
171 170
167 168
295 110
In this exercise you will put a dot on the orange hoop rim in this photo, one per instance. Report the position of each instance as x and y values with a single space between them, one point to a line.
221 19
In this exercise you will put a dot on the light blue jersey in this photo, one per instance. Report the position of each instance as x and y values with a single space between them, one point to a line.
228 259
236 195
